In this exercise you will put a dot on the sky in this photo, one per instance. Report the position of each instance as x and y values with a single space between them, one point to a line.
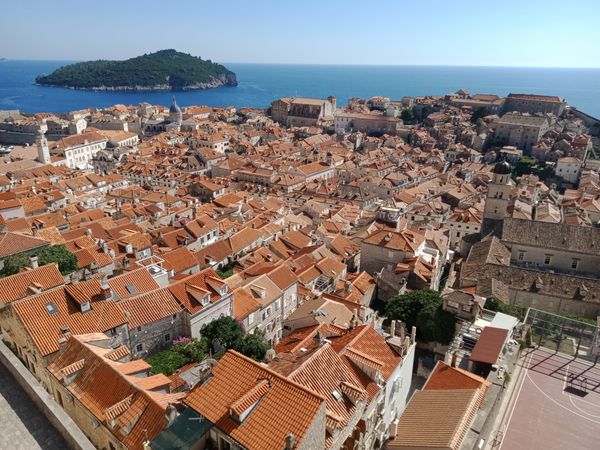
532 33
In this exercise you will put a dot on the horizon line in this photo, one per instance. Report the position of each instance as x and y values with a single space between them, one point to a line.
339 64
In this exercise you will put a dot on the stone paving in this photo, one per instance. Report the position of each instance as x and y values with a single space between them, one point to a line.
22 425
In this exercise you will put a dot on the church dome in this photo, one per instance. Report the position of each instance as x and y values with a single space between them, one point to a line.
502 168
175 112
174 107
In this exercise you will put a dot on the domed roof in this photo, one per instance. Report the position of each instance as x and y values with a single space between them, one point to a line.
174 107
502 168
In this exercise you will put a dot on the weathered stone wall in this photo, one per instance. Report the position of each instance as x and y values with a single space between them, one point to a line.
44 402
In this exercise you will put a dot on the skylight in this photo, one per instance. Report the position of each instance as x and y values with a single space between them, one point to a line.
51 308
131 288
335 394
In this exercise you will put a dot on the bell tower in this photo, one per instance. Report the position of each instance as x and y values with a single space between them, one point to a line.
498 200
42 149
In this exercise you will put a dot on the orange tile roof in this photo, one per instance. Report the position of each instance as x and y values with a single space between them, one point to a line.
18 286
447 377
149 307
14 243
323 371
179 260
244 304
200 280
285 408
112 397
44 327
138 281
364 340
436 419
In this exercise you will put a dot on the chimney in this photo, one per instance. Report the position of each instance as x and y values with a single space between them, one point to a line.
355 318
106 290
347 288
290 442
34 261
413 334
453 360
393 328
170 414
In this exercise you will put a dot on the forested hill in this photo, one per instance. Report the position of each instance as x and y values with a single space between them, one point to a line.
165 69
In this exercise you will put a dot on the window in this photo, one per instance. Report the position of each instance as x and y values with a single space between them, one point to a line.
112 332
139 328
250 318
139 347
521 255
51 308
167 338
547 259
224 445
574 263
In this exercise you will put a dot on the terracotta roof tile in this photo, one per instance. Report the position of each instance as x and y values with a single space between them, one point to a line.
20 285
285 408
149 307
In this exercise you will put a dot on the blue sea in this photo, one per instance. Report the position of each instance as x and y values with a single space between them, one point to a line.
259 84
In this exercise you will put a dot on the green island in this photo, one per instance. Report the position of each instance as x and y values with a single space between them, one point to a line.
162 70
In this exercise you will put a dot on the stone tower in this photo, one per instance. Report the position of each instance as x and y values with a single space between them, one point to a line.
42 149
498 199
175 115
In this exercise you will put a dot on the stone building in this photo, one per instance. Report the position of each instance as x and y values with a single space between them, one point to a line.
530 285
569 169
367 123
530 103
205 297
280 109
305 112
113 400
155 320
173 123
521 130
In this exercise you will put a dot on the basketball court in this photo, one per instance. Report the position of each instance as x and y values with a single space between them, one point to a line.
558 404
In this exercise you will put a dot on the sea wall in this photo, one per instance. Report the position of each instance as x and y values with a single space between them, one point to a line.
591 122
43 401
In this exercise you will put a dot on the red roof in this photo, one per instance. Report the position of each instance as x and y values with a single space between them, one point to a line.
489 346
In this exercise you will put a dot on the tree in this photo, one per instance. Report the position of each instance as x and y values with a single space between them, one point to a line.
497 141
67 261
524 166
479 113
407 115
253 346
14 263
223 332
183 351
166 362
423 309
226 333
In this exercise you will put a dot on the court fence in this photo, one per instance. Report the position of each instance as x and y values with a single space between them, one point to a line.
563 334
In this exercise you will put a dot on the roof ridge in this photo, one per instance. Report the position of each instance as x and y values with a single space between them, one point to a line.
277 375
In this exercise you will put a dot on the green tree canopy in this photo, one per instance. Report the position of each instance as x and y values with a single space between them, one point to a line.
14 263
253 346
407 115
226 333
67 261
423 308
479 113
223 332
182 352
524 166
